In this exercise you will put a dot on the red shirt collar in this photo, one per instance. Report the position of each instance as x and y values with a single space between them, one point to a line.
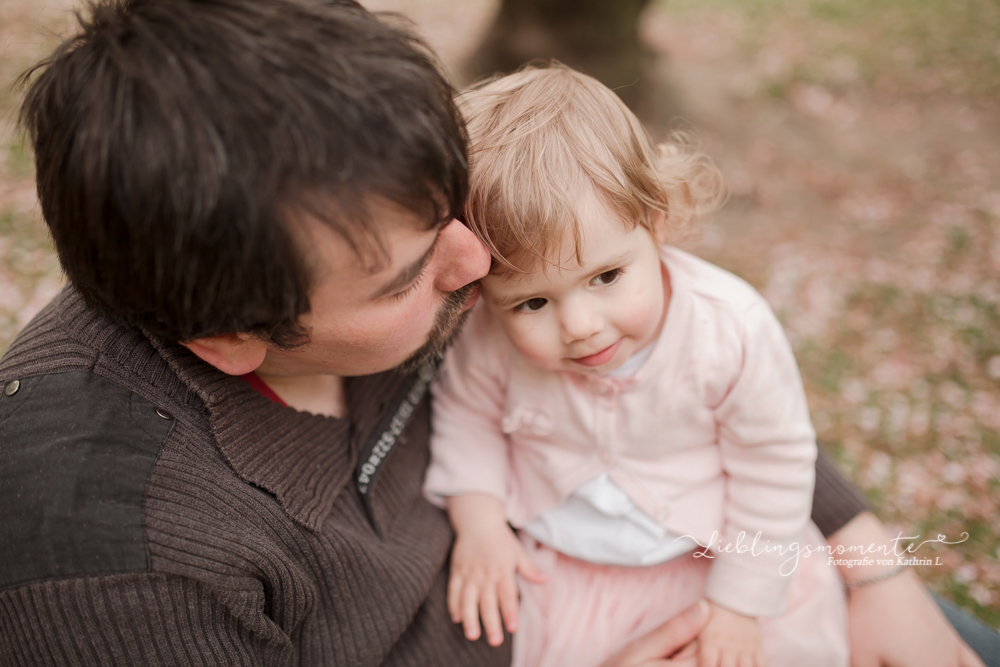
262 388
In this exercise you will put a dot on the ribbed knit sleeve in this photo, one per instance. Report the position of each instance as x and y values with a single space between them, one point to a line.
136 619
835 500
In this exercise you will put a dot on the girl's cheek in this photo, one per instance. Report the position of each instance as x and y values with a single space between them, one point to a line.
642 311
544 349
521 339
520 336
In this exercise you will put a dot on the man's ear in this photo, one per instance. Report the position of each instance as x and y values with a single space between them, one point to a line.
235 354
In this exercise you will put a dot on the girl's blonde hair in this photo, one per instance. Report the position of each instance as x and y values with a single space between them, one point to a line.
539 137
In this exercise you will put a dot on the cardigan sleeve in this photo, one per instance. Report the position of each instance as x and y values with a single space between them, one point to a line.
468 446
768 451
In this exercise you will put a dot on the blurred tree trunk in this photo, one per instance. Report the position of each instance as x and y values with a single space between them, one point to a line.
598 37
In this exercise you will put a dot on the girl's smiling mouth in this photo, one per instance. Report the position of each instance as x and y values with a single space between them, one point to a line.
599 358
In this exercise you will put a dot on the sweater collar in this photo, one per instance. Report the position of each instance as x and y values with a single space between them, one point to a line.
305 460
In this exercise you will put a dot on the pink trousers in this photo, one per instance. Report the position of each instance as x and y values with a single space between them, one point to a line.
584 612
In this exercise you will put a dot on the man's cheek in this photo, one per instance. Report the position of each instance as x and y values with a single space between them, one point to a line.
410 329
373 333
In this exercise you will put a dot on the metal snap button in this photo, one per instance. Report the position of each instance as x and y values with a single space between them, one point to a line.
12 387
164 414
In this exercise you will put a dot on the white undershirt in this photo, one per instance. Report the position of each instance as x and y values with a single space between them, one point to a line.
599 523
633 363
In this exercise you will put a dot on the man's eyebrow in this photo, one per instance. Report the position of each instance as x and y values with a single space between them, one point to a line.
408 274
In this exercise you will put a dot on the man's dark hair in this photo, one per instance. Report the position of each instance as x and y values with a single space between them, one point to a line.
174 139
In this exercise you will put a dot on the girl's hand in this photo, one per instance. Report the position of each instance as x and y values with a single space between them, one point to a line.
484 562
730 640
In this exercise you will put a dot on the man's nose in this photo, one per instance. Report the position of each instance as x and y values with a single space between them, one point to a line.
579 319
463 258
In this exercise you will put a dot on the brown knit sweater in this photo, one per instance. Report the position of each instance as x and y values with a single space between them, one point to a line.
237 534
155 511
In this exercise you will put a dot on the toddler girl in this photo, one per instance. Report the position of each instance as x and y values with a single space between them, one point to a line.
620 403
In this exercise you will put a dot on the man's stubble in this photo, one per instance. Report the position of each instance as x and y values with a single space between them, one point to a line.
451 315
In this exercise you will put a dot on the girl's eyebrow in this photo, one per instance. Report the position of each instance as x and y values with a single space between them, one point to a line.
613 263
608 265
512 300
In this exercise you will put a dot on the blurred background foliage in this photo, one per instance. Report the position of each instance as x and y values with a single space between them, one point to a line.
924 45
860 140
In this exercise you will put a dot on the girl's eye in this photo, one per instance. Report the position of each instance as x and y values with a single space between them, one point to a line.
607 278
531 305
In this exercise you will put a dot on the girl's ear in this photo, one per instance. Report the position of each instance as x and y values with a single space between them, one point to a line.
235 354
661 231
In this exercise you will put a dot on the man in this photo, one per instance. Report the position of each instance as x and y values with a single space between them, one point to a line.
206 456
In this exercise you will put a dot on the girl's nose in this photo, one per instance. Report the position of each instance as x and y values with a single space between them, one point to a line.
579 320
463 259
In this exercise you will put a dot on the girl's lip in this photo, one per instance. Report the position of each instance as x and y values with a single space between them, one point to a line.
598 358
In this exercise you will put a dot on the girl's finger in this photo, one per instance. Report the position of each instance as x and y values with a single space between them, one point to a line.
528 570
470 612
491 616
455 598
507 593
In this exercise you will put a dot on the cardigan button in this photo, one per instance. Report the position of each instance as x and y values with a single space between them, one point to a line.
12 387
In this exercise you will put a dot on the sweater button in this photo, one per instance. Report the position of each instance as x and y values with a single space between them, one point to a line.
164 414
12 387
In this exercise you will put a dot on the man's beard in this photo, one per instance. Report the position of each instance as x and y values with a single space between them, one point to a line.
446 326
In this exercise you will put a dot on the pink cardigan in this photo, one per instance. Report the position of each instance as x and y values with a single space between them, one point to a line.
711 435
